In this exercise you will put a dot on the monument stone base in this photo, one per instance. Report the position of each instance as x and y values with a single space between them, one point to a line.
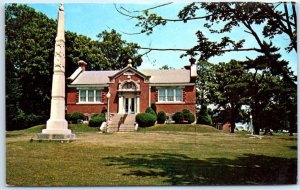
56 130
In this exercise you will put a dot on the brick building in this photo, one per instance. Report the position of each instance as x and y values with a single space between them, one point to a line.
132 90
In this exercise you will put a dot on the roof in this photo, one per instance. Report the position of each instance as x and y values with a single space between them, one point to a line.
168 76
156 76
94 77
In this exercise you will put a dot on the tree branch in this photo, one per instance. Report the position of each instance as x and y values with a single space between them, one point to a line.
161 19
180 49
253 33
162 5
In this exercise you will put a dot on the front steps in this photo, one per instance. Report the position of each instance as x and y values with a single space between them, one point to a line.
129 124
122 123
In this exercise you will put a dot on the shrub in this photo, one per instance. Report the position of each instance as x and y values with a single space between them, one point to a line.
204 117
96 121
98 114
153 106
190 118
161 117
145 119
178 117
67 116
76 116
185 113
150 110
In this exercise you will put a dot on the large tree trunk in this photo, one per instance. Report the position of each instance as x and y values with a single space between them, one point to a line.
232 126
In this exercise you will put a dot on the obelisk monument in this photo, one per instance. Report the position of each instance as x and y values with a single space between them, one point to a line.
57 123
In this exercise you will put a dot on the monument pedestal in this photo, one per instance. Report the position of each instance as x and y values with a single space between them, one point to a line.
57 127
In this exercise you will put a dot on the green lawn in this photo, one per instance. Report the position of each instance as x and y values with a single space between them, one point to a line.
160 155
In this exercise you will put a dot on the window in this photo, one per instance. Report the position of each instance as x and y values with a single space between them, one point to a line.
129 85
179 95
89 95
161 95
170 95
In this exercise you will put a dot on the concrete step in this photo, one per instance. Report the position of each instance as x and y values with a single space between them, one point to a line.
130 119
126 128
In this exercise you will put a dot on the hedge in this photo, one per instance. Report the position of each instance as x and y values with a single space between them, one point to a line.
74 117
145 119
178 117
161 117
96 121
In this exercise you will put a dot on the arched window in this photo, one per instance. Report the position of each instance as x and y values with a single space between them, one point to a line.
129 85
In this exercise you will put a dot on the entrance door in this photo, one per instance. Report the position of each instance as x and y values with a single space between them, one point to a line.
129 105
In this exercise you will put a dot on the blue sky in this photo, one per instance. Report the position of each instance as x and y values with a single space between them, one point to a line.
91 19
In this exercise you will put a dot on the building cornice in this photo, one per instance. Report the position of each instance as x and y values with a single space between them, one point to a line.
172 84
88 85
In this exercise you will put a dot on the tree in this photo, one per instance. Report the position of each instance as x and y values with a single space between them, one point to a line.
228 89
276 18
203 82
221 18
166 67
29 44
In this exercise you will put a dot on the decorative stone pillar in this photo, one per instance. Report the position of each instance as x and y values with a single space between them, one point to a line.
121 106
57 125
138 104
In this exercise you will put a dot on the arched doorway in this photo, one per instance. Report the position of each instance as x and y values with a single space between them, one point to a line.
129 97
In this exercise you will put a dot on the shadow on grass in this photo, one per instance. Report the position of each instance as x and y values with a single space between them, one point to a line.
179 169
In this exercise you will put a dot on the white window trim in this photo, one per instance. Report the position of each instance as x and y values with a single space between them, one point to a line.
86 97
166 95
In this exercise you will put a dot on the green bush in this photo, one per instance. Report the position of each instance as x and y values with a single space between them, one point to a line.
161 117
145 119
67 116
186 114
204 117
153 106
76 116
150 110
96 121
98 114
190 118
178 117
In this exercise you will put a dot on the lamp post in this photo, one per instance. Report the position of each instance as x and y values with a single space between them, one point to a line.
107 119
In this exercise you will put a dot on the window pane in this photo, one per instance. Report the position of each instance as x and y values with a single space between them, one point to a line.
170 93
179 95
90 95
98 95
161 95
82 95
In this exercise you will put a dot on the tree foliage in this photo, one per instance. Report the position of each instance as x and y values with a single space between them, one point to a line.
29 44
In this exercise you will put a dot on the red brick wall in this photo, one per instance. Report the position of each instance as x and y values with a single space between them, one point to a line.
72 100
189 98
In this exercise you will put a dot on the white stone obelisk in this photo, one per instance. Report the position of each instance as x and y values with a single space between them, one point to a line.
57 123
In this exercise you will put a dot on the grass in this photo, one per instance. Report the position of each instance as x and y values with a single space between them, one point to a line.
160 155
77 128
180 128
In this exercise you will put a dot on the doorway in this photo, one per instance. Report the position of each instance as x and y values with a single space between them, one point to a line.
130 105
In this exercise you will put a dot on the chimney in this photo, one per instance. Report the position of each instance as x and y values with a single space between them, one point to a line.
193 67
82 64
